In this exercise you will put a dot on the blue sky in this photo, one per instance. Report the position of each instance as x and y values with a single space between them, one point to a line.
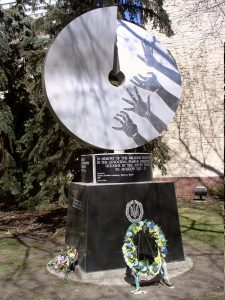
137 18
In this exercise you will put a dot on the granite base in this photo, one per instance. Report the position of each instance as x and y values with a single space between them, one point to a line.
97 221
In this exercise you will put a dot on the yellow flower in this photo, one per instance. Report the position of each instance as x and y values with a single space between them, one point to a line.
158 259
160 244
138 228
72 255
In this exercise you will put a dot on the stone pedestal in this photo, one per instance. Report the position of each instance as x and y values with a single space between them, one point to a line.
97 220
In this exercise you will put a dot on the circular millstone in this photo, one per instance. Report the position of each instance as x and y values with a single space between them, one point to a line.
109 82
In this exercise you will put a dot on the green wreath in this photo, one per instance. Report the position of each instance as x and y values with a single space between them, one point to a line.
143 267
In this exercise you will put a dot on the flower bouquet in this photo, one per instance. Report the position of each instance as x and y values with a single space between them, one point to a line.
66 261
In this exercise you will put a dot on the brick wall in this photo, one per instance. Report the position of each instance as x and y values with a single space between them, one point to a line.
195 136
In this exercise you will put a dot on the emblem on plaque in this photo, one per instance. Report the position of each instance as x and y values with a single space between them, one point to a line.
134 211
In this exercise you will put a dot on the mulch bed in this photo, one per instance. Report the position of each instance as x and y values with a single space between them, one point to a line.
40 224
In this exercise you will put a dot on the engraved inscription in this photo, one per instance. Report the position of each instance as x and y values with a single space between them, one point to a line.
76 204
123 167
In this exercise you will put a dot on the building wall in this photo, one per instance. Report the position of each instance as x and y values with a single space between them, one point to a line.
195 136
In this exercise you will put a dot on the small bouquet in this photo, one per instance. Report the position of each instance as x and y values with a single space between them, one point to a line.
66 261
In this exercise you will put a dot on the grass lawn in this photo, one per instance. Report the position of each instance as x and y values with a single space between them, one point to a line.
202 226
202 223
23 273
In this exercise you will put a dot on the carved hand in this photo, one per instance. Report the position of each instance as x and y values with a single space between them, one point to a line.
149 82
127 124
139 106
148 58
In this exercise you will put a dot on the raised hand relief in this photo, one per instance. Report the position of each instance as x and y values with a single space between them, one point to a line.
129 127
149 82
138 105
143 109
148 58
127 124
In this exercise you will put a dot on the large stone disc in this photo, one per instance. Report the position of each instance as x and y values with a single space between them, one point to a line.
79 92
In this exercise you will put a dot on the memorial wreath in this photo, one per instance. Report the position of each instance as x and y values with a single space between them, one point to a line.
143 267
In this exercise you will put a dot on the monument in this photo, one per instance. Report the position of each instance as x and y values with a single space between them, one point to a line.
113 85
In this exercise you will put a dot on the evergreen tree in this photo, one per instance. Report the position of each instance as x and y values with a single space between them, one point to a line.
38 159
19 96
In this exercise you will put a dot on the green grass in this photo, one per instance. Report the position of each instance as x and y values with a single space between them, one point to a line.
5 267
12 254
38 246
8 243
202 224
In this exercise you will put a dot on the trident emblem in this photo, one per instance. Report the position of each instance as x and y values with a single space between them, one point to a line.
134 211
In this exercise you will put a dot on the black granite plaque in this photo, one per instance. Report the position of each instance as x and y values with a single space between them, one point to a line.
86 168
116 168
123 168
97 220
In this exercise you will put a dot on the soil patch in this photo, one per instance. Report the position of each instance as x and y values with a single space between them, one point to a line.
41 224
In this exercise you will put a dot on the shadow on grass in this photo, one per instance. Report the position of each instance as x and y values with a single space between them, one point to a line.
27 269
25 251
194 224
30 277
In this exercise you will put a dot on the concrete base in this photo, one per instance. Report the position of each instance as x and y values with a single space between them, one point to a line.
119 277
